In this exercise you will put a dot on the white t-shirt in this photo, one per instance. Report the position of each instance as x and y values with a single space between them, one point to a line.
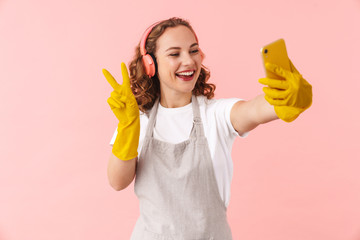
174 125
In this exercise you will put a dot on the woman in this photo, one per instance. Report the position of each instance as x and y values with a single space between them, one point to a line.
184 169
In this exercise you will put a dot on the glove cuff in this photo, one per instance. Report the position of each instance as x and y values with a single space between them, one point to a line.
127 141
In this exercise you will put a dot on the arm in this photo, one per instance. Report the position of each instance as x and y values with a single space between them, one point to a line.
285 99
120 173
247 115
122 162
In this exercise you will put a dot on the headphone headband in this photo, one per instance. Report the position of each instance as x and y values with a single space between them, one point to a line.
144 38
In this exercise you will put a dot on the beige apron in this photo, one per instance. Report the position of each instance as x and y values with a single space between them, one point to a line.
177 190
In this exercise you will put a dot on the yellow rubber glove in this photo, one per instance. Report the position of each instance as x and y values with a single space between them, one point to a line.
290 95
123 103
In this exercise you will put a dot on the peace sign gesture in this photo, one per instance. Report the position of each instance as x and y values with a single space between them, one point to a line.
123 103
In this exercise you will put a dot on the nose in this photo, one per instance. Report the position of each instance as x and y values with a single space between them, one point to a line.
188 60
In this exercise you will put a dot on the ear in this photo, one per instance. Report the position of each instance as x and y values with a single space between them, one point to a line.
202 55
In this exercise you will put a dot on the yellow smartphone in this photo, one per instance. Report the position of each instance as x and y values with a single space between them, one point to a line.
275 53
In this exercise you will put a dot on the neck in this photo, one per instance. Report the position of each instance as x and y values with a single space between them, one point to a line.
175 100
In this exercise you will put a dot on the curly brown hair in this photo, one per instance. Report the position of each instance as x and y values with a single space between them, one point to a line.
146 89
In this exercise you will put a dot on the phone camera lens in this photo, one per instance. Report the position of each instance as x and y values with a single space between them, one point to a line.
265 51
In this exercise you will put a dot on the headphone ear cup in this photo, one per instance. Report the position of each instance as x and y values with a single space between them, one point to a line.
155 63
149 65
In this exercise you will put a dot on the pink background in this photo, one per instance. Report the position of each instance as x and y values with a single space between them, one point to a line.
297 181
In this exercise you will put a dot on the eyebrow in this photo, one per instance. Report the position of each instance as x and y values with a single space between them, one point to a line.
192 45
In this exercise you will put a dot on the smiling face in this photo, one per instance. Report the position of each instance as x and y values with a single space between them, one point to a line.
179 61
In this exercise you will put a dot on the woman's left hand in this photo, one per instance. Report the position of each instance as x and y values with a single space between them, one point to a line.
290 96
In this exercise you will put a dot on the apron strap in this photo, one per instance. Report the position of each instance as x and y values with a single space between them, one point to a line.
198 126
152 118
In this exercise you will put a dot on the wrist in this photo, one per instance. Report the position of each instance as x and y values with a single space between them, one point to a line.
127 141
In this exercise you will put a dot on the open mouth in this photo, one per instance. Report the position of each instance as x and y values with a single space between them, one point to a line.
186 76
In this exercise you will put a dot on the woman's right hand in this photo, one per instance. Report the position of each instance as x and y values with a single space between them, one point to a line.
123 103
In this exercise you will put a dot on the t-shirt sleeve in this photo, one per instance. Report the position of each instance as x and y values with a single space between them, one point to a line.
113 138
223 111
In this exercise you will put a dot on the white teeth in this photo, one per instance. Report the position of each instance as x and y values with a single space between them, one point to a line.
186 73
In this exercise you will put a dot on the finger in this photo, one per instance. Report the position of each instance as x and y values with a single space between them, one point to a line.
274 83
274 93
276 69
112 103
292 67
110 79
125 75
115 104
275 102
118 98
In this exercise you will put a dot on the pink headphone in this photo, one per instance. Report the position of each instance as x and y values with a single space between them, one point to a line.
148 60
